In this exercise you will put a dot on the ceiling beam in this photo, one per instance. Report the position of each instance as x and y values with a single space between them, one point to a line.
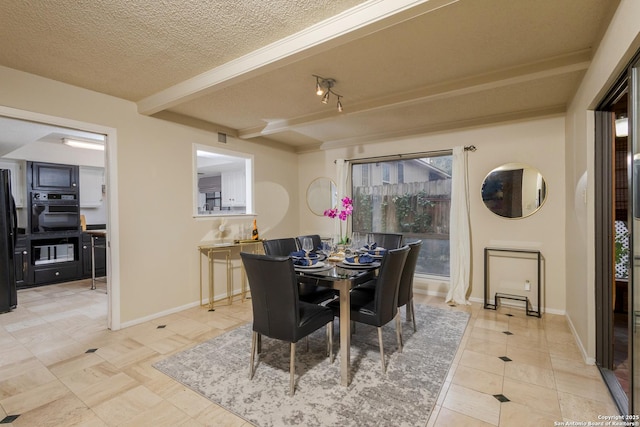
347 26
555 66
557 110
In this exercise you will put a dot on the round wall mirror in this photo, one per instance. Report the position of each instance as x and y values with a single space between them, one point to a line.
514 190
322 194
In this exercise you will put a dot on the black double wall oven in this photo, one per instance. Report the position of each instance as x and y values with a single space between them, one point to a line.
54 222
54 212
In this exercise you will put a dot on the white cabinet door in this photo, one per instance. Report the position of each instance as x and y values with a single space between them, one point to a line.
17 168
91 181
233 189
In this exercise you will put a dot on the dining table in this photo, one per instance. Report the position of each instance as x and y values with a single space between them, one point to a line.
342 277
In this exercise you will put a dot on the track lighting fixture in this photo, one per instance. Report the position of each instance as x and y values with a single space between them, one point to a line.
324 88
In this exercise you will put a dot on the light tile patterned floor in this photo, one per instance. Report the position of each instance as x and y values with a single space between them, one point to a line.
59 366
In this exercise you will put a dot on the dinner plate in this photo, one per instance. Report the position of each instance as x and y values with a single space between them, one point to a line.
311 256
347 264
369 252
318 264
357 263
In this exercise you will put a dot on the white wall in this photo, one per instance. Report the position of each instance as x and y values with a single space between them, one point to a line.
539 143
618 45
157 236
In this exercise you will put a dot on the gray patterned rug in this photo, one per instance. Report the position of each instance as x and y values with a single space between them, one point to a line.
219 370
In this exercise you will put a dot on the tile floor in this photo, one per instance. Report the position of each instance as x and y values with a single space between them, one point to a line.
59 366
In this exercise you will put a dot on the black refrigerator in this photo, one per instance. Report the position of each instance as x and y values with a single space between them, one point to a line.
8 236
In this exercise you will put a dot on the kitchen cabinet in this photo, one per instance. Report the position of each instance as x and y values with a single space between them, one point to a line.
91 185
234 189
21 261
101 256
17 168
47 264
56 274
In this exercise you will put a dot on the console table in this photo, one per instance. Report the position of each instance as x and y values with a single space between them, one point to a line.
537 255
225 252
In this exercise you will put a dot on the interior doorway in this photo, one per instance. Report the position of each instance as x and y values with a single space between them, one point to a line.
613 170
57 125
617 241
620 307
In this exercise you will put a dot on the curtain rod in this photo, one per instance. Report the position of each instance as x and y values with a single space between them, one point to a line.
411 155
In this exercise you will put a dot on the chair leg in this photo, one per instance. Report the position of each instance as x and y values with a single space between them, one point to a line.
292 369
330 335
306 343
254 340
259 344
413 315
399 331
384 368
327 339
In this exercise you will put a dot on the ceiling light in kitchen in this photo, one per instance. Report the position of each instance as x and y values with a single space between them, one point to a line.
83 143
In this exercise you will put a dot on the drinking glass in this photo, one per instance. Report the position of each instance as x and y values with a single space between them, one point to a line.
369 239
356 240
326 247
307 244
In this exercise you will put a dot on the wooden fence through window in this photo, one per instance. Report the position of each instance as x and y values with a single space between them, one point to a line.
417 208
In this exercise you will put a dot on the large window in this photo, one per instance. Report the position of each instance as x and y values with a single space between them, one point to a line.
416 204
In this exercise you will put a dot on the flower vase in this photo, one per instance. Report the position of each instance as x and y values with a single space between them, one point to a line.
341 251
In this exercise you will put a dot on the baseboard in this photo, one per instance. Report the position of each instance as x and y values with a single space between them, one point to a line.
428 292
173 310
585 356
157 315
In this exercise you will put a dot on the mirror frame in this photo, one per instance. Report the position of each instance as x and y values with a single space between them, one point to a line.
316 185
249 184
538 197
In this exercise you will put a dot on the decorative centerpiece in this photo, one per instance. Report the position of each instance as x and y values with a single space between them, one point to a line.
343 214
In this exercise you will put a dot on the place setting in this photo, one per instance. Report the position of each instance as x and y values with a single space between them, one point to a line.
372 249
359 261
307 259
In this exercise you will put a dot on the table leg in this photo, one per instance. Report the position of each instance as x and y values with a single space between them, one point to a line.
345 332
93 262
211 274
229 278
200 253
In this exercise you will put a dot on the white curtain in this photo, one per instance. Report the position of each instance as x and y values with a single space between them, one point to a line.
459 233
343 184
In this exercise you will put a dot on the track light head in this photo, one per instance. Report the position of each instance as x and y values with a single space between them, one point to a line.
324 88
319 90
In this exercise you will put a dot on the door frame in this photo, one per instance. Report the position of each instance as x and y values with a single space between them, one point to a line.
111 175
604 189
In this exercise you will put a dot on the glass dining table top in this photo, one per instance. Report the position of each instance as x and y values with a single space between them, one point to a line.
332 272
336 271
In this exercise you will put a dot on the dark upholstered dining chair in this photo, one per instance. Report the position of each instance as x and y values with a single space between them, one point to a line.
280 247
386 240
379 307
277 311
405 288
308 292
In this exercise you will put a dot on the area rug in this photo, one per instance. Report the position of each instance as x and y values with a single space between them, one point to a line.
405 396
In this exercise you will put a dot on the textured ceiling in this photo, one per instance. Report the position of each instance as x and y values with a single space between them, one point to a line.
245 67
